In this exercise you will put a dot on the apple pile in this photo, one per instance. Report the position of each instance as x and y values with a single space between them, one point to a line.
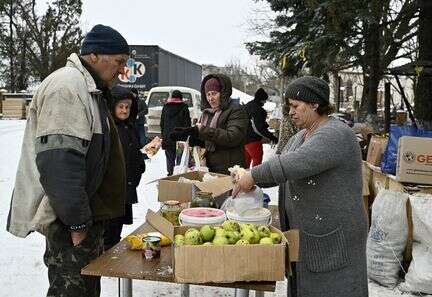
231 232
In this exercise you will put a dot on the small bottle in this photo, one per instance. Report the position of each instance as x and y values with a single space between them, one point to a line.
203 199
170 210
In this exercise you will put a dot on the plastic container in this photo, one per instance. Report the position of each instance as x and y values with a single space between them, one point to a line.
151 247
203 199
259 216
199 216
170 210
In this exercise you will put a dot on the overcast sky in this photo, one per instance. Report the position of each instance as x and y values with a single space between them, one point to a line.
204 31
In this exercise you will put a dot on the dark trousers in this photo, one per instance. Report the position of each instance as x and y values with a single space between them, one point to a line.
64 261
112 233
170 154
140 122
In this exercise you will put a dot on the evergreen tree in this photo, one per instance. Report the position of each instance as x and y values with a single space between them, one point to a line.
423 96
332 35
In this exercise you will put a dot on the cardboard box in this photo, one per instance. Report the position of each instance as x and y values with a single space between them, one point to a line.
376 149
228 263
170 189
366 179
414 162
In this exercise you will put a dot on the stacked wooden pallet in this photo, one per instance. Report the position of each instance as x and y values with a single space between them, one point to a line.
14 108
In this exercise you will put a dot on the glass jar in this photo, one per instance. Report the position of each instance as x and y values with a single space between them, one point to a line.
203 199
170 210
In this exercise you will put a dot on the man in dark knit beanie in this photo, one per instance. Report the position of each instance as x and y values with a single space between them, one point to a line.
71 177
258 129
105 51
104 40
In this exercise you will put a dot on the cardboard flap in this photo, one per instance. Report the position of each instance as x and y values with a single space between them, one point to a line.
194 175
160 224
217 186
292 236
173 190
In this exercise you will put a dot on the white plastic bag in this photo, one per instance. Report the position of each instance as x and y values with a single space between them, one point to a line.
245 201
197 161
184 162
387 238
419 276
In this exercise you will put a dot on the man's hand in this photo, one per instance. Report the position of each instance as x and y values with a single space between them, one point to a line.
244 184
78 237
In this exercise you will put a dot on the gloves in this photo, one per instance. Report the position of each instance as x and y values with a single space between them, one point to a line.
181 134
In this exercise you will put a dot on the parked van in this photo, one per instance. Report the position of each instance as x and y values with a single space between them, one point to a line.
156 99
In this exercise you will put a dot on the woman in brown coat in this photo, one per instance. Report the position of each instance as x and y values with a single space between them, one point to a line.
222 127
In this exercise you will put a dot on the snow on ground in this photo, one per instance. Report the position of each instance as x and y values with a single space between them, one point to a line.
23 273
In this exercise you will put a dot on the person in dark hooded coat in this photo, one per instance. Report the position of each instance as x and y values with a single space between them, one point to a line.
175 113
124 111
258 129
222 128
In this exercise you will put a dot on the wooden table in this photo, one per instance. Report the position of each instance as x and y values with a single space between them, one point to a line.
121 262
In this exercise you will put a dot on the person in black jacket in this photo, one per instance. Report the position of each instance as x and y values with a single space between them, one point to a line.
175 113
258 129
141 120
124 111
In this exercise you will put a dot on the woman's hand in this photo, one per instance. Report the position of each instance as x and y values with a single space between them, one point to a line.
244 184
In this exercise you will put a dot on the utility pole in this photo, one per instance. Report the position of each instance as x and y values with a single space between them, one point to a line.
338 94
387 96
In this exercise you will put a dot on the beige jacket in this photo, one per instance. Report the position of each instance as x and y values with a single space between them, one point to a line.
65 103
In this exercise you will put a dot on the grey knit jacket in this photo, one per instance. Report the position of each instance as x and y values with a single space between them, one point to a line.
323 188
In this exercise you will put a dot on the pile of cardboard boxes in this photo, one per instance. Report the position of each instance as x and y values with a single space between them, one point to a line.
220 264
413 175
414 158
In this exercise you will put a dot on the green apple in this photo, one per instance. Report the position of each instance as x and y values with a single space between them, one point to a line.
179 239
207 233
193 237
220 240
276 237
249 234
231 226
266 240
242 242
263 231
219 231
232 236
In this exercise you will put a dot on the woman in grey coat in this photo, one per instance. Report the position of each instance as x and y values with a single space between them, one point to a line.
320 168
